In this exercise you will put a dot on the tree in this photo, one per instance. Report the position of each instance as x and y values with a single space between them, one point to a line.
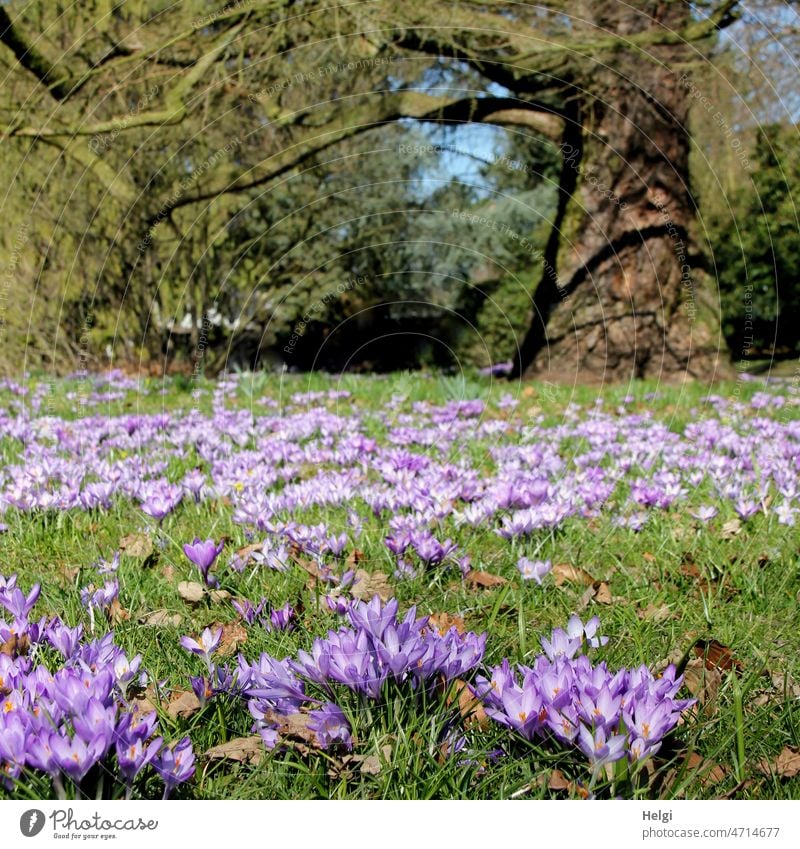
606 83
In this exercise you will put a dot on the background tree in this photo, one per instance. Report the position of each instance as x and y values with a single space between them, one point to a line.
163 155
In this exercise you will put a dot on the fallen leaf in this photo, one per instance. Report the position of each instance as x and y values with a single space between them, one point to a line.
703 683
240 750
443 622
694 766
136 545
294 726
117 612
655 614
191 591
314 572
602 593
786 765
707 771
218 596
717 656
484 579
15 646
469 705
558 782
161 616
244 553
146 702
68 574
367 585
372 764
233 635
730 529
566 572
183 704
355 557
598 592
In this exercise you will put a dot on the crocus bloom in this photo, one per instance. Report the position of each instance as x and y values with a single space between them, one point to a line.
203 555
282 618
175 765
599 747
533 569
330 727
209 641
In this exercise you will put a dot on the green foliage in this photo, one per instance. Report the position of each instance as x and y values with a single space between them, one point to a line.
756 249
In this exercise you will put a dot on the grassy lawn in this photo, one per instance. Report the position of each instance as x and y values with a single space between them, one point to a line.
288 461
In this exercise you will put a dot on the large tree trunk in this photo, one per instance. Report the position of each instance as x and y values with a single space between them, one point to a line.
620 296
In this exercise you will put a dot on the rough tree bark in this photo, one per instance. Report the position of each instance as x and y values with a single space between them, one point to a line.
620 294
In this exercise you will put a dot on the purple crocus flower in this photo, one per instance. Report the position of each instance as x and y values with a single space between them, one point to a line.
175 765
533 569
282 619
134 755
576 629
16 602
203 555
62 638
330 726
561 644
599 747
244 607
337 604
13 745
158 506
705 513
75 757
207 645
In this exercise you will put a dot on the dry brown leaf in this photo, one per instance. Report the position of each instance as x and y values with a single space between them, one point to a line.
703 683
233 635
244 553
469 706
117 612
355 557
136 545
566 572
598 592
602 593
295 726
443 622
218 596
372 764
655 614
67 574
191 591
484 579
241 750
786 765
146 703
707 771
717 656
15 645
162 616
730 529
785 685
183 704
367 585
558 782
314 572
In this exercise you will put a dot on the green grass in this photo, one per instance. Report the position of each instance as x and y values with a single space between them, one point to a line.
743 594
